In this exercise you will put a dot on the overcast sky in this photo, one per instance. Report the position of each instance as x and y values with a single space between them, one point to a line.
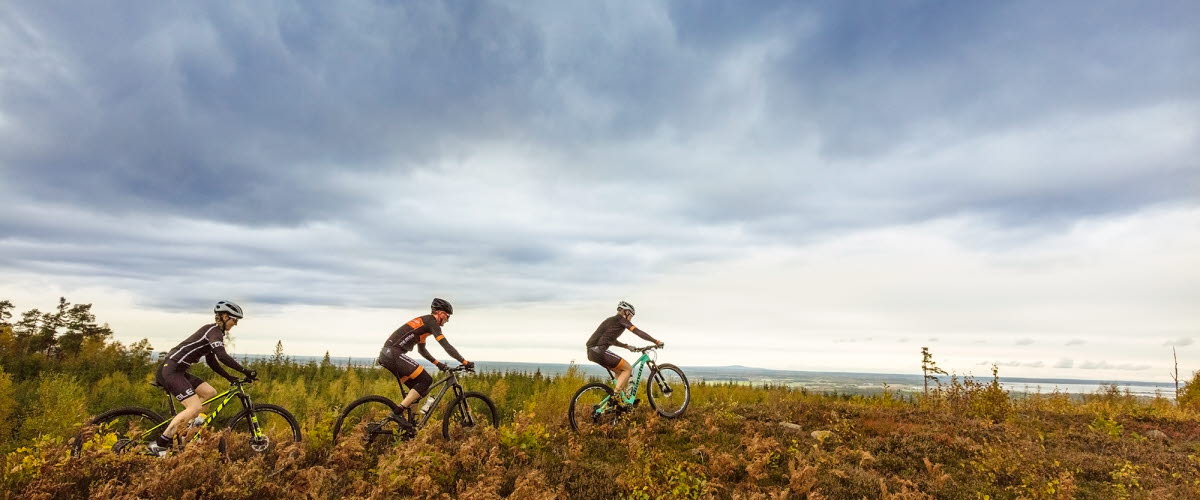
813 186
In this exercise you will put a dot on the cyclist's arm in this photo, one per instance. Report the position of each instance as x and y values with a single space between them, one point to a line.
637 331
217 368
450 349
622 345
425 352
218 350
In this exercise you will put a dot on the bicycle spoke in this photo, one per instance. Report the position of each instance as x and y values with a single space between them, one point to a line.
668 391
594 406
125 430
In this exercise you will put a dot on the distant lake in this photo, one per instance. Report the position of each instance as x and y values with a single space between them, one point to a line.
841 382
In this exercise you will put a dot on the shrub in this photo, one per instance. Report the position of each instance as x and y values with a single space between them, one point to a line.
58 408
8 408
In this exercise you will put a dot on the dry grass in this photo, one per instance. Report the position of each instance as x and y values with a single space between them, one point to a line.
965 442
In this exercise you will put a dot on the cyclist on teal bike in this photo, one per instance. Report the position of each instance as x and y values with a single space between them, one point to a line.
606 335
394 357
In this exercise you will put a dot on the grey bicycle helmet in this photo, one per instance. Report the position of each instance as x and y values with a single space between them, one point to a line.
625 306
441 305
232 309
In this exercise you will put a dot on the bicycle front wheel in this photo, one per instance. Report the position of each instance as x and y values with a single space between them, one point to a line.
369 417
122 430
668 390
276 427
467 415
594 406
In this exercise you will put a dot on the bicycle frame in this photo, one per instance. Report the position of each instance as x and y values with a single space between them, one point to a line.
236 391
641 364
636 379
450 381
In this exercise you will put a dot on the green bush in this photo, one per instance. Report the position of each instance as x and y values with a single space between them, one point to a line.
8 408
57 410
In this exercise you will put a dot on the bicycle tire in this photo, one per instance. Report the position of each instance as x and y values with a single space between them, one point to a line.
585 407
145 417
458 404
391 406
274 433
657 383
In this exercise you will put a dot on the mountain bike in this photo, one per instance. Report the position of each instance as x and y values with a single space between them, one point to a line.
377 415
597 404
131 429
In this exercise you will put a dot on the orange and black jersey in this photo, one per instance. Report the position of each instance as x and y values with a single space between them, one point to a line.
415 332
611 328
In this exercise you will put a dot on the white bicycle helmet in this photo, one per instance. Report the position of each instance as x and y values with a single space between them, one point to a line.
625 306
232 309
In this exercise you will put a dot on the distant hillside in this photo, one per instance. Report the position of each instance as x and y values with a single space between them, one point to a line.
843 382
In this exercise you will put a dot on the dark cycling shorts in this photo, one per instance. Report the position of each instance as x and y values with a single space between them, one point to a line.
406 370
604 357
177 381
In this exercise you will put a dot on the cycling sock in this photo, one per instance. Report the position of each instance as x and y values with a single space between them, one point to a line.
163 441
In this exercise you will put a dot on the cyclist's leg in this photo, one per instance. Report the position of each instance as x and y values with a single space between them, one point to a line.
406 372
623 370
205 391
418 385
192 392
606 358
191 407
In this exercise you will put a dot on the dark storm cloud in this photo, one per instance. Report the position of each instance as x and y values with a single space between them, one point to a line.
246 115
334 142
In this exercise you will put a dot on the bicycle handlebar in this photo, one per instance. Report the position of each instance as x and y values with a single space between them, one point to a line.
644 349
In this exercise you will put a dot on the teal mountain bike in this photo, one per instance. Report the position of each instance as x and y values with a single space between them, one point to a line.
131 429
598 405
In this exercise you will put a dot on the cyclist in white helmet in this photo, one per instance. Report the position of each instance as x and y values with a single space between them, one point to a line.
606 335
209 343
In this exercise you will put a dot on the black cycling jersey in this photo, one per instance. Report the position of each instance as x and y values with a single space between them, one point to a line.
208 342
611 328
415 332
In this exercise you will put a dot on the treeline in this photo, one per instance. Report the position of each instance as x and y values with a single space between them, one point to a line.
65 340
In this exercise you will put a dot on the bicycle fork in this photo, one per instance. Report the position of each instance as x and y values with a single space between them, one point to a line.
464 409
255 429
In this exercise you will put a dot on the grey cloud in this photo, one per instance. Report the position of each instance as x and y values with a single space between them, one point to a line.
1065 363
1179 342
342 136
1025 341
1076 342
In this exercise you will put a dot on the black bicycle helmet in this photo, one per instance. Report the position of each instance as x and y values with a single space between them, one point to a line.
441 305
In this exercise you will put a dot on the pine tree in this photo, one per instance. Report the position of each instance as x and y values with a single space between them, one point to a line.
5 306
930 368
278 358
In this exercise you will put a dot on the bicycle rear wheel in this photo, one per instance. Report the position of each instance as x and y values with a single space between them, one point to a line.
467 414
369 418
668 390
594 407
277 428
121 430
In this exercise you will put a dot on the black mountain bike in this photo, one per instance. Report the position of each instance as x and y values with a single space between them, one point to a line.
131 429
374 416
